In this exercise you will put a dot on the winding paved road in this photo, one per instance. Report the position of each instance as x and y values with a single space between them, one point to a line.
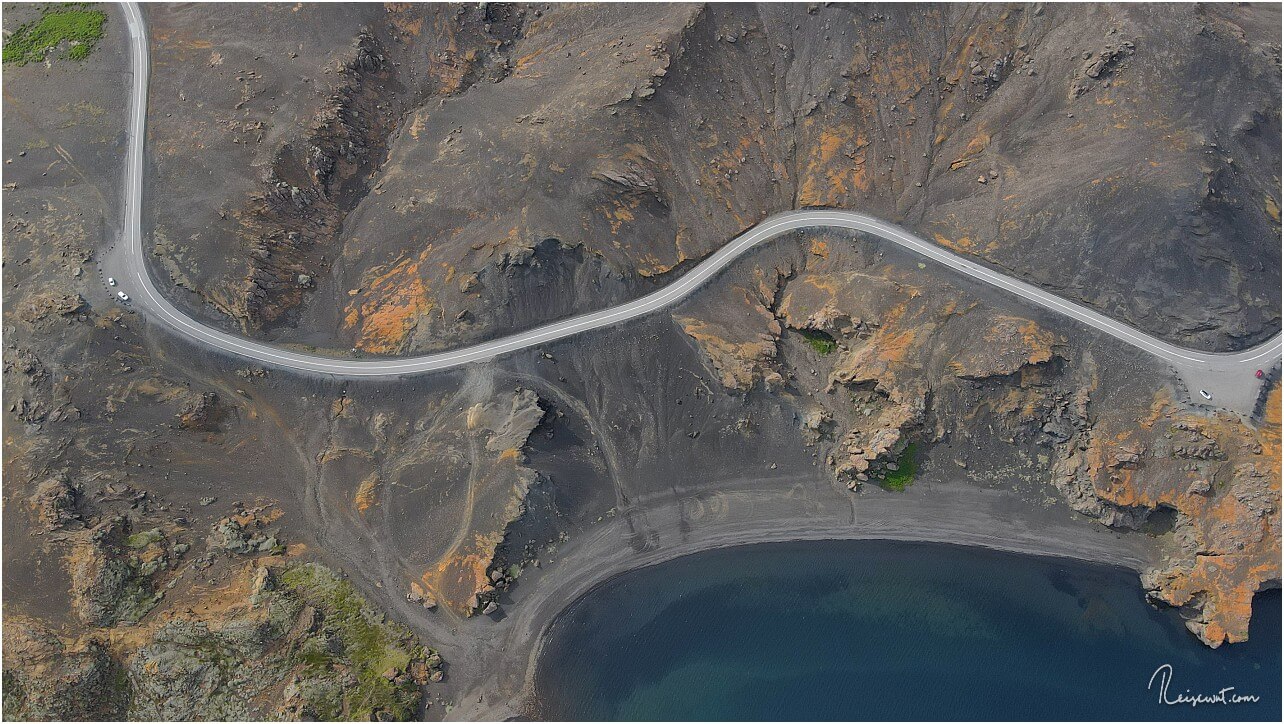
1227 377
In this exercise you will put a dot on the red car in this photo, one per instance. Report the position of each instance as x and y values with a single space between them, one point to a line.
1259 375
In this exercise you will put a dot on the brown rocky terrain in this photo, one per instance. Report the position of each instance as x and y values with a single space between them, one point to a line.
457 466
189 535
914 365
1123 156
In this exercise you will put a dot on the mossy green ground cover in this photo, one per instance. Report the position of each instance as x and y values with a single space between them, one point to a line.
907 465
73 26
819 341
371 647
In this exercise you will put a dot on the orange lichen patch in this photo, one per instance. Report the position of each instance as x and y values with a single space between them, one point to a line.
829 284
457 579
401 16
883 357
830 141
962 243
739 363
158 389
837 160
497 483
393 300
819 248
649 265
227 599
1272 209
1223 479
257 517
637 153
448 66
1226 613
417 589
1023 402
900 71
839 302
1269 432
743 351
522 68
365 496
890 361
974 148
808 195
681 242
893 356
1158 408
177 42
894 347
1010 344
214 603
951 308
619 211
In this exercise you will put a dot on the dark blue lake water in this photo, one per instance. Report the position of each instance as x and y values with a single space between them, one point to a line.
887 630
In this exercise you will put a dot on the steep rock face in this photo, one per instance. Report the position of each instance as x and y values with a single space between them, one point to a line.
1220 481
295 642
123 449
131 452
313 129
55 504
443 485
1059 143
44 679
742 348
279 639
1009 345
902 364
310 187
110 583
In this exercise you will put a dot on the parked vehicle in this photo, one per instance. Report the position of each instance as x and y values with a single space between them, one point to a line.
111 281
1260 374
123 296
1205 394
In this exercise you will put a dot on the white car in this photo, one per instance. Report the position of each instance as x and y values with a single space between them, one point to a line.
123 296
111 281
1205 394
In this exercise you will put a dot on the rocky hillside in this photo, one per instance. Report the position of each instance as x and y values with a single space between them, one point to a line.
882 365
186 535
454 173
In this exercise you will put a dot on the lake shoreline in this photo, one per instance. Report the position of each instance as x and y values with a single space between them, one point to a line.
815 630
957 514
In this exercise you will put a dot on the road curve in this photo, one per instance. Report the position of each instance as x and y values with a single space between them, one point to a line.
130 270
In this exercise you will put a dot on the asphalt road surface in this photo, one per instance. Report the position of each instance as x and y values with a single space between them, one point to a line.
1227 377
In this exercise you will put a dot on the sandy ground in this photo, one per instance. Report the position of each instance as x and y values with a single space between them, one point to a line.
493 662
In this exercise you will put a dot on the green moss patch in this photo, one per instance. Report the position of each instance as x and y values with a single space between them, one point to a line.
907 465
144 539
372 648
73 27
819 341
